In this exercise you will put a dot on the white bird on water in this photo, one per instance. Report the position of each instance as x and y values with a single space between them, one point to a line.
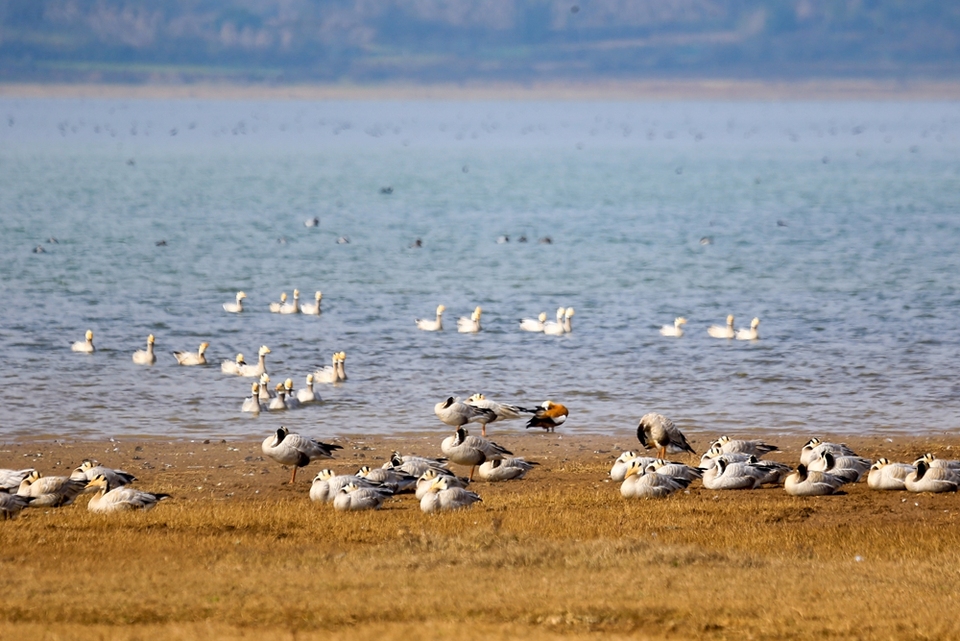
534 324
567 315
252 403
294 307
330 373
86 345
145 356
233 367
723 331
312 309
193 358
274 306
749 334
258 369
307 394
674 330
470 325
555 328
429 325
237 306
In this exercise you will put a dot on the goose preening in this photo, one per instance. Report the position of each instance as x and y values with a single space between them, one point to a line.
110 498
658 431
885 475
308 394
145 356
429 325
251 404
723 331
312 309
12 504
86 345
534 324
237 306
50 491
395 481
814 447
416 465
555 327
504 469
802 482
456 413
567 315
470 325
751 334
443 496
352 497
641 483
849 468
931 479
193 358
274 307
548 416
233 367
10 479
258 369
502 411
676 470
294 307
297 451
674 330
757 448
732 476
464 449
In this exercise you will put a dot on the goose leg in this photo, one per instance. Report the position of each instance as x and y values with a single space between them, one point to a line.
293 477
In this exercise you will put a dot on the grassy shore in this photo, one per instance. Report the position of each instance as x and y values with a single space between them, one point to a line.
237 554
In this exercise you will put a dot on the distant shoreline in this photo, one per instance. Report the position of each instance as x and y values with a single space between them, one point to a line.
641 90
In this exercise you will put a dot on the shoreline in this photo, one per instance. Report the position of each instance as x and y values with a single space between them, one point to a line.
725 90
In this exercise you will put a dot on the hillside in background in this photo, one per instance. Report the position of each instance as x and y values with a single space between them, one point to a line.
369 41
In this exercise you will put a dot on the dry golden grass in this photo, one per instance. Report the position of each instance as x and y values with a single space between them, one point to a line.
235 555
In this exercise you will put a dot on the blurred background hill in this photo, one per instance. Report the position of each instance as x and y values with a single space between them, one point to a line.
430 41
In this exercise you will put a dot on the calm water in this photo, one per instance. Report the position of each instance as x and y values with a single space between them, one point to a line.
838 224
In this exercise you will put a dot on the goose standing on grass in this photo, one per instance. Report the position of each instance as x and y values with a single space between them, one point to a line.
534 324
555 327
252 403
658 431
723 331
330 373
86 345
549 416
463 449
443 496
470 325
931 479
12 504
116 499
504 469
193 358
428 325
802 482
749 334
567 315
297 451
502 411
274 307
639 483
50 491
237 306
145 356
294 307
352 497
260 368
233 367
885 475
307 394
456 413
312 309
674 330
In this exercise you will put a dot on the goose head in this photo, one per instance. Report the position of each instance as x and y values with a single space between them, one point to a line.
263 351
89 335
203 347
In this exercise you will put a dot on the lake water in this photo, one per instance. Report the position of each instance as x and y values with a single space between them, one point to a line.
837 224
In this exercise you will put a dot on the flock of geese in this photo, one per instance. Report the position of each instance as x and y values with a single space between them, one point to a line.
471 324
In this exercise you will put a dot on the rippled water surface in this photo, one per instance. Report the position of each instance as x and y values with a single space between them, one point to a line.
837 224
